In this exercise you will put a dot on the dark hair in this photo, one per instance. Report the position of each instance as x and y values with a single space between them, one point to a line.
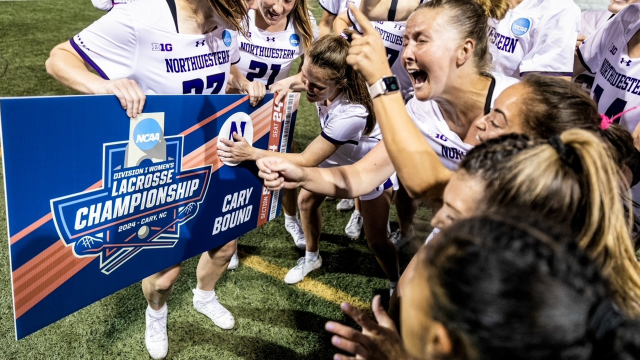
554 105
504 288
581 189
469 18
330 53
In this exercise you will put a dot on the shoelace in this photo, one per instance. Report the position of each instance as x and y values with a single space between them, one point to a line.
353 221
214 306
294 227
156 330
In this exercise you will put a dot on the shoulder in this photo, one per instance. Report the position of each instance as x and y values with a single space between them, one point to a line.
628 17
591 20
343 108
502 82
548 8
153 13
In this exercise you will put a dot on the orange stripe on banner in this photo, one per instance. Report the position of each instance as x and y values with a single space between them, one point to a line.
43 220
58 278
37 266
44 273
213 117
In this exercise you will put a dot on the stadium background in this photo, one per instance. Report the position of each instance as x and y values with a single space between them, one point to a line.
273 320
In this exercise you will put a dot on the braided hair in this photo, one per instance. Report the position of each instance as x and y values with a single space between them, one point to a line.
504 288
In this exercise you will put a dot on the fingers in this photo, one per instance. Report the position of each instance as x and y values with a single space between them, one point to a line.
381 314
256 91
357 315
348 339
129 94
280 96
363 21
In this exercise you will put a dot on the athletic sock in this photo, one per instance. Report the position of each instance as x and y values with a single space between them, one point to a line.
202 295
157 314
290 218
356 212
311 255
393 284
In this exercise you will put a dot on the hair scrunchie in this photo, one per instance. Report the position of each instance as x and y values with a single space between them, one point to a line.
567 154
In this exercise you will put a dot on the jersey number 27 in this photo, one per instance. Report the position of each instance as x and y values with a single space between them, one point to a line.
214 82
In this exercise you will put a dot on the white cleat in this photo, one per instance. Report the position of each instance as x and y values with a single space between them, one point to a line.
354 226
346 205
398 239
155 336
295 229
215 311
301 270
234 262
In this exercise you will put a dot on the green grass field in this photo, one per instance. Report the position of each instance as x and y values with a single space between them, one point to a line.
273 320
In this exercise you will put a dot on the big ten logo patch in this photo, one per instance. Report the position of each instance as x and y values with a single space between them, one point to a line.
161 47
239 123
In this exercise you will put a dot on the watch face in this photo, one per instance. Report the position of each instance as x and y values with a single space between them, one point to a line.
391 83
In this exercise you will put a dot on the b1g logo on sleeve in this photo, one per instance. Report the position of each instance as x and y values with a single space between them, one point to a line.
520 26
294 40
226 38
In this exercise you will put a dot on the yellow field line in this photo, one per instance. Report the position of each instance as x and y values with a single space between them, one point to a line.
314 287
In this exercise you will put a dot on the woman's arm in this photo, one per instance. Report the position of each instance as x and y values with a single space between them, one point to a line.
255 89
341 22
378 10
343 182
284 86
326 23
66 66
418 166
240 150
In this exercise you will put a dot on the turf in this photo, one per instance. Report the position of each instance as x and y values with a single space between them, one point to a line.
273 320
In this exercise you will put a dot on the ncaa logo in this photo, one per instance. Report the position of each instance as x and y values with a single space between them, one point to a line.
520 26
239 123
226 38
147 134
294 40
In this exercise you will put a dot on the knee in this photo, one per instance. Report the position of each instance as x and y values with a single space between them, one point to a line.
379 244
164 283
225 252
308 202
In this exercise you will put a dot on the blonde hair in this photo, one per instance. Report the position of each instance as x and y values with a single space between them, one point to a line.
496 9
573 178
234 12
302 22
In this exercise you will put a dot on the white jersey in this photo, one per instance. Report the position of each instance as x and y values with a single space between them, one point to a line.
140 41
590 21
267 57
446 143
333 7
343 124
535 36
108 4
617 76
391 33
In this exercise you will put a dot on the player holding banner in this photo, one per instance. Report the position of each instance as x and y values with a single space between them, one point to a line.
147 47
279 32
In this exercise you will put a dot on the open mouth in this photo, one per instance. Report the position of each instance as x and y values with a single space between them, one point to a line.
419 77
272 15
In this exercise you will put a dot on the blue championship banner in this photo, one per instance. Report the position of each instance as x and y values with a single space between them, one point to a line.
97 201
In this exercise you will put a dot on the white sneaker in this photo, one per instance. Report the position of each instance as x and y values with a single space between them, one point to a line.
302 269
346 204
215 311
295 229
155 336
398 239
233 263
354 226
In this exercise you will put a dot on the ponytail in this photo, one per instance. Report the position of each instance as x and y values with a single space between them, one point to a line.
330 53
571 179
